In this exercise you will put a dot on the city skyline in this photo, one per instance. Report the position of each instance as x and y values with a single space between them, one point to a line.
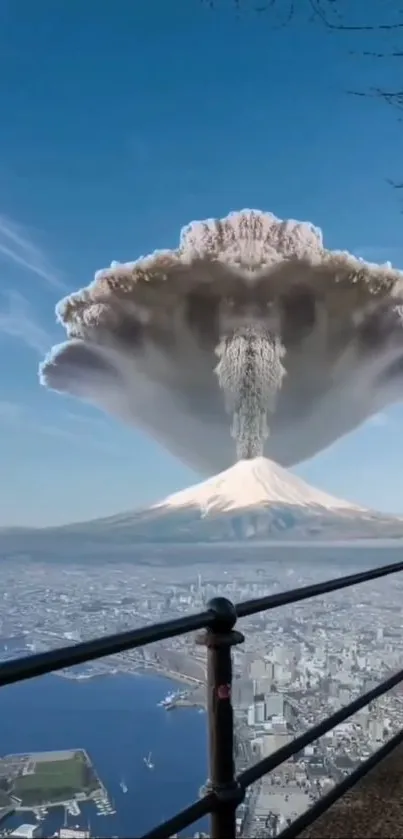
292 667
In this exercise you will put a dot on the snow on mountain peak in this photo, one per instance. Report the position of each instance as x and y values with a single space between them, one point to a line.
252 484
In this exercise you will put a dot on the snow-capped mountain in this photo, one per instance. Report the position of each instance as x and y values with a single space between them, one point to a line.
251 484
254 501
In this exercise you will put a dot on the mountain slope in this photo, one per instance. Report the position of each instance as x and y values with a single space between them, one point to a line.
255 500
251 484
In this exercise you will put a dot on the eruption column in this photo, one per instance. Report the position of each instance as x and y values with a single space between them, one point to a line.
250 373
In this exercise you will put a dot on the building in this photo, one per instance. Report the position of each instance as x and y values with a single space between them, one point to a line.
271 742
274 705
27 831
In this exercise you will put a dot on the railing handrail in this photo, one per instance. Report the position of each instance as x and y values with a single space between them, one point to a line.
268 764
218 620
38 664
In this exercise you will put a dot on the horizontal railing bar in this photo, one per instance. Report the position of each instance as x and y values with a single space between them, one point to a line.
215 619
320 807
37 665
183 819
41 663
273 601
254 773
249 776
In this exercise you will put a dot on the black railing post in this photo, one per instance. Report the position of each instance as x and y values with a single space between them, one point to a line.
219 639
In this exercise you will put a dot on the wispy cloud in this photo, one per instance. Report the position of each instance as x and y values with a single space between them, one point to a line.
87 421
9 411
17 247
18 321
18 416
379 420
73 436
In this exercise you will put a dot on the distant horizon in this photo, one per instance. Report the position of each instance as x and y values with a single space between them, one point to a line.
170 502
139 508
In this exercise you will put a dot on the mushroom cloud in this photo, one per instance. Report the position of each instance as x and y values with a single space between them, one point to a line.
249 339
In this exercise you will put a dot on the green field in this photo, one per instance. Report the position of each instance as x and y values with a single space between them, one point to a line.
55 780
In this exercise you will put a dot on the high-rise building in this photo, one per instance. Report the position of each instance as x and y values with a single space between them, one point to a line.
260 710
274 705
258 669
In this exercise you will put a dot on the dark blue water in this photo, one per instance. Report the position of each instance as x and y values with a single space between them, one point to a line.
116 719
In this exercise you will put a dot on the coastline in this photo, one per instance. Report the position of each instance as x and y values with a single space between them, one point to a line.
172 675
118 722
198 702
85 792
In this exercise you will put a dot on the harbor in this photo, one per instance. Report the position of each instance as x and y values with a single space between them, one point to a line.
40 780
103 803
172 698
119 735
195 699
103 806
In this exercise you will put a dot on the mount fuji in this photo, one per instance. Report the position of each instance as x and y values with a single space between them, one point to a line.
255 500
251 484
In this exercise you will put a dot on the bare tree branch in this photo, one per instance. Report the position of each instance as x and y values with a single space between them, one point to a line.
329 15
397 54
327 12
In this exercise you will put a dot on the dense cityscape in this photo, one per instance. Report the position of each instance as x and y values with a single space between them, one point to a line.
297 664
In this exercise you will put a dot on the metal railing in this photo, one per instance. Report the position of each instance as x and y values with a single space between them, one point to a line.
225 789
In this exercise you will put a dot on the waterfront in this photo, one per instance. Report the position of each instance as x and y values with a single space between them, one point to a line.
116 719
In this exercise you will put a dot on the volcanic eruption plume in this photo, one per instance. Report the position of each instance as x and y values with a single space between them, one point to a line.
250 330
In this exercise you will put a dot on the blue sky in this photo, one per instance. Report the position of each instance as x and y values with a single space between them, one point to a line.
119 126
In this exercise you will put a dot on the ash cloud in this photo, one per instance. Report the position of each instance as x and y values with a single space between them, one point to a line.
309 342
